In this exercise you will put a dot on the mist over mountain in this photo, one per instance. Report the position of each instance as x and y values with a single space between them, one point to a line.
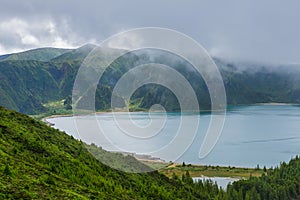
32 78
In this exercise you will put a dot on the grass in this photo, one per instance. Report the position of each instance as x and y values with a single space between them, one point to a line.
157 165
211 171
54 108
58 108
39 162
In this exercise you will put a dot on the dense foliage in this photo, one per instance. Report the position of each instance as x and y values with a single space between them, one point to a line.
33 78
280 183
39 162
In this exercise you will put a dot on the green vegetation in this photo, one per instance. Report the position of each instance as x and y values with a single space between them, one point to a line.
41 54
118 160
280 183
157 165
211 171
54 108
27 84
31 79
39 162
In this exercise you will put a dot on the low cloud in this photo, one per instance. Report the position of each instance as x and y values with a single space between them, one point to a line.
260 31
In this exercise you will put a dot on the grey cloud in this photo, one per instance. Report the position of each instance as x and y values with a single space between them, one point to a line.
265 31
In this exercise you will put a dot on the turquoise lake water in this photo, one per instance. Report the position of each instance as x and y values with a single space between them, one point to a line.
260 134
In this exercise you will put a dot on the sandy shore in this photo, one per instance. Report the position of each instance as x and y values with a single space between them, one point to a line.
70 115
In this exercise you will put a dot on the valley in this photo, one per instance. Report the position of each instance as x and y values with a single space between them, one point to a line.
38 161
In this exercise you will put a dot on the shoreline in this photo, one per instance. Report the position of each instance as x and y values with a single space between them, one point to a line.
169 167
203 171
212 171
202 111
45 119
277 104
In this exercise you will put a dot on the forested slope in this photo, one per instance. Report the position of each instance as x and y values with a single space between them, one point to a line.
39 162
26 85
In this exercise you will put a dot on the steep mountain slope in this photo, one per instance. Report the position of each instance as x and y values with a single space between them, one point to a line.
260 84
27 84
39 162
244 84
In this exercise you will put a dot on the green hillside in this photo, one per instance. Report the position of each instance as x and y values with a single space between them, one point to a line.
75 54
39 162
40 54
27 85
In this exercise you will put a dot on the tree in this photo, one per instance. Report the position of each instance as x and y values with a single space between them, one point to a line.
265 169
186 178
257 167
68 103
7 170
175 177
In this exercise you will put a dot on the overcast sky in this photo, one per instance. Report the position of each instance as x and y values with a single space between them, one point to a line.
260 31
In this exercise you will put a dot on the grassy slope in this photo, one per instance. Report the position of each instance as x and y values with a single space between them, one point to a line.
211 171
39 162
40 54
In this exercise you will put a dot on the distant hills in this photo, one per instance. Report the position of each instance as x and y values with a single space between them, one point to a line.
32 78
39 162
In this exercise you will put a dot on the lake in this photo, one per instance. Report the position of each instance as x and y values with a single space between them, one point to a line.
261 135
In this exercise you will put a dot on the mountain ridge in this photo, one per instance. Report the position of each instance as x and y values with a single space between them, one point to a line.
39 54
54 79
